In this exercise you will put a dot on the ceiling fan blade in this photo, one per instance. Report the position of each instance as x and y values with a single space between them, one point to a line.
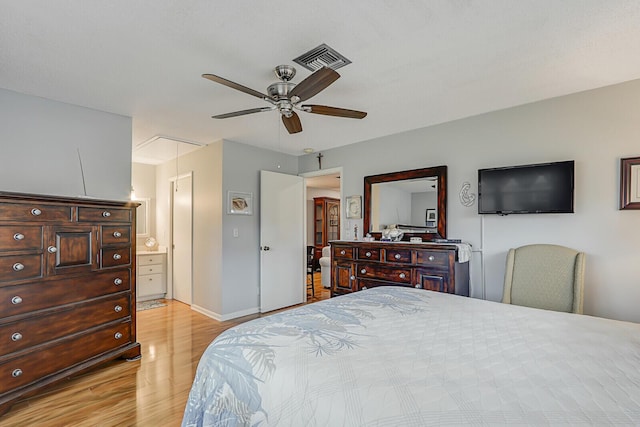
243 112
292 123
314 84
234 85
334 111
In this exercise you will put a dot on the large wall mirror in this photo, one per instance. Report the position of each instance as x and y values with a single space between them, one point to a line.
414 201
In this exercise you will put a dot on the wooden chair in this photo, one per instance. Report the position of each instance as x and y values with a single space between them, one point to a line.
545 276
310 269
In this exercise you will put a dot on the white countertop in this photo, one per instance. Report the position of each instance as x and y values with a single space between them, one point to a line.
160 250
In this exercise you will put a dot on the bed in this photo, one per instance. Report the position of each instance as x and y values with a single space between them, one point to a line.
392 356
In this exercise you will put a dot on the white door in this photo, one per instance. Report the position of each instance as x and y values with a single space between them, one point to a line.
282 254
182 234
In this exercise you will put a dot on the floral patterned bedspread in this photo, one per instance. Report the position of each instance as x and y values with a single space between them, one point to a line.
392 356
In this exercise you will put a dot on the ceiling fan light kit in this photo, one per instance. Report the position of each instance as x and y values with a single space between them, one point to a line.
286 96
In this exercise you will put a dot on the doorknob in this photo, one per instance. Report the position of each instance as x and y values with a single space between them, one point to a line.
265 248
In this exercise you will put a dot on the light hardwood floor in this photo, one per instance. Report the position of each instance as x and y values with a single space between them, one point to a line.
149 392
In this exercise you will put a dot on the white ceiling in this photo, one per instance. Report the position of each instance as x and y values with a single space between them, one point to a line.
415 63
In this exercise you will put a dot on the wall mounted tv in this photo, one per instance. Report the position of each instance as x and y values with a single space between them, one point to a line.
539 188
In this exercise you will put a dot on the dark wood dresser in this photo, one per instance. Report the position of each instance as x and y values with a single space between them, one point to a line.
67 284
358 265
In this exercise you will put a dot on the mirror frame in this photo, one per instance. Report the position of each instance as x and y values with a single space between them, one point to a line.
439 171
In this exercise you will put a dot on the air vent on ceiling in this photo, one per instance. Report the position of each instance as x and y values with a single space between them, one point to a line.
322 56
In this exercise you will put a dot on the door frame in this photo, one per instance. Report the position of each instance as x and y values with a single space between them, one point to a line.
321 172
169 275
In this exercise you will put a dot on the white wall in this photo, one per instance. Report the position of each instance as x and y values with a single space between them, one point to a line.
241 255
40 139
595 128
206 166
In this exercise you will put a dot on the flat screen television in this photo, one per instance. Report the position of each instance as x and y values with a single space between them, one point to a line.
539 188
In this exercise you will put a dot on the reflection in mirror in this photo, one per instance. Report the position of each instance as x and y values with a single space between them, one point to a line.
414 201
142 218
410 205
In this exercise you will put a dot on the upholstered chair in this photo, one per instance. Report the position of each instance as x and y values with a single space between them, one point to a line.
545 276
325 267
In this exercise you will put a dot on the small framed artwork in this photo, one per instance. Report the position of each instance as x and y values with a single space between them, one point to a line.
630 183
239 203
431 219
354 207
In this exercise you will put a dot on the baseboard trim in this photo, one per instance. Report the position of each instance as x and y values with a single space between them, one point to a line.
225 317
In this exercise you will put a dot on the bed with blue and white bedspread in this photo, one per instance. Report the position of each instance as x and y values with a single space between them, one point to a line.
392 356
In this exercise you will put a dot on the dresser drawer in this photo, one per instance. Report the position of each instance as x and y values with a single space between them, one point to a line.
433 258
376 271
112 234
74 318
115 257
49 359
103 215
20 237
34 212
25 298
369 254
20 267
398 255
144 270
151 259
342 252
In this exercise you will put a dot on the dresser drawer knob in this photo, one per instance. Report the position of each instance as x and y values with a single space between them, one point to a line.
117 256
352 277
402 275
52 249
368 254
16 373
363 271
397 256
18 266
106 214
343 252
36 212
16 336
117 234
18 236
117 281
117 308
16 300
418 286
431 258
117 335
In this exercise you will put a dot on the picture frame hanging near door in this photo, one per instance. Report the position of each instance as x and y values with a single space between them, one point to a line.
630 183
354 207
239 203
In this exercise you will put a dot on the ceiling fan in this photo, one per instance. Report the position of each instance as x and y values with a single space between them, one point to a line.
286 96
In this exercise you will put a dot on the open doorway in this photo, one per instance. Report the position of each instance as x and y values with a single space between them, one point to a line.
323 224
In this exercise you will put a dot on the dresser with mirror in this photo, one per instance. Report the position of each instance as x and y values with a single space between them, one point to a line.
414 202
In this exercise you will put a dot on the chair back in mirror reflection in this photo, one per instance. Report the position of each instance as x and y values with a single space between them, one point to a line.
310 264
543 276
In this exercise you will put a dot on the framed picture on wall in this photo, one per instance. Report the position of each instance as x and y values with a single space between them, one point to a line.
354 207
431 218
239 203
630 183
